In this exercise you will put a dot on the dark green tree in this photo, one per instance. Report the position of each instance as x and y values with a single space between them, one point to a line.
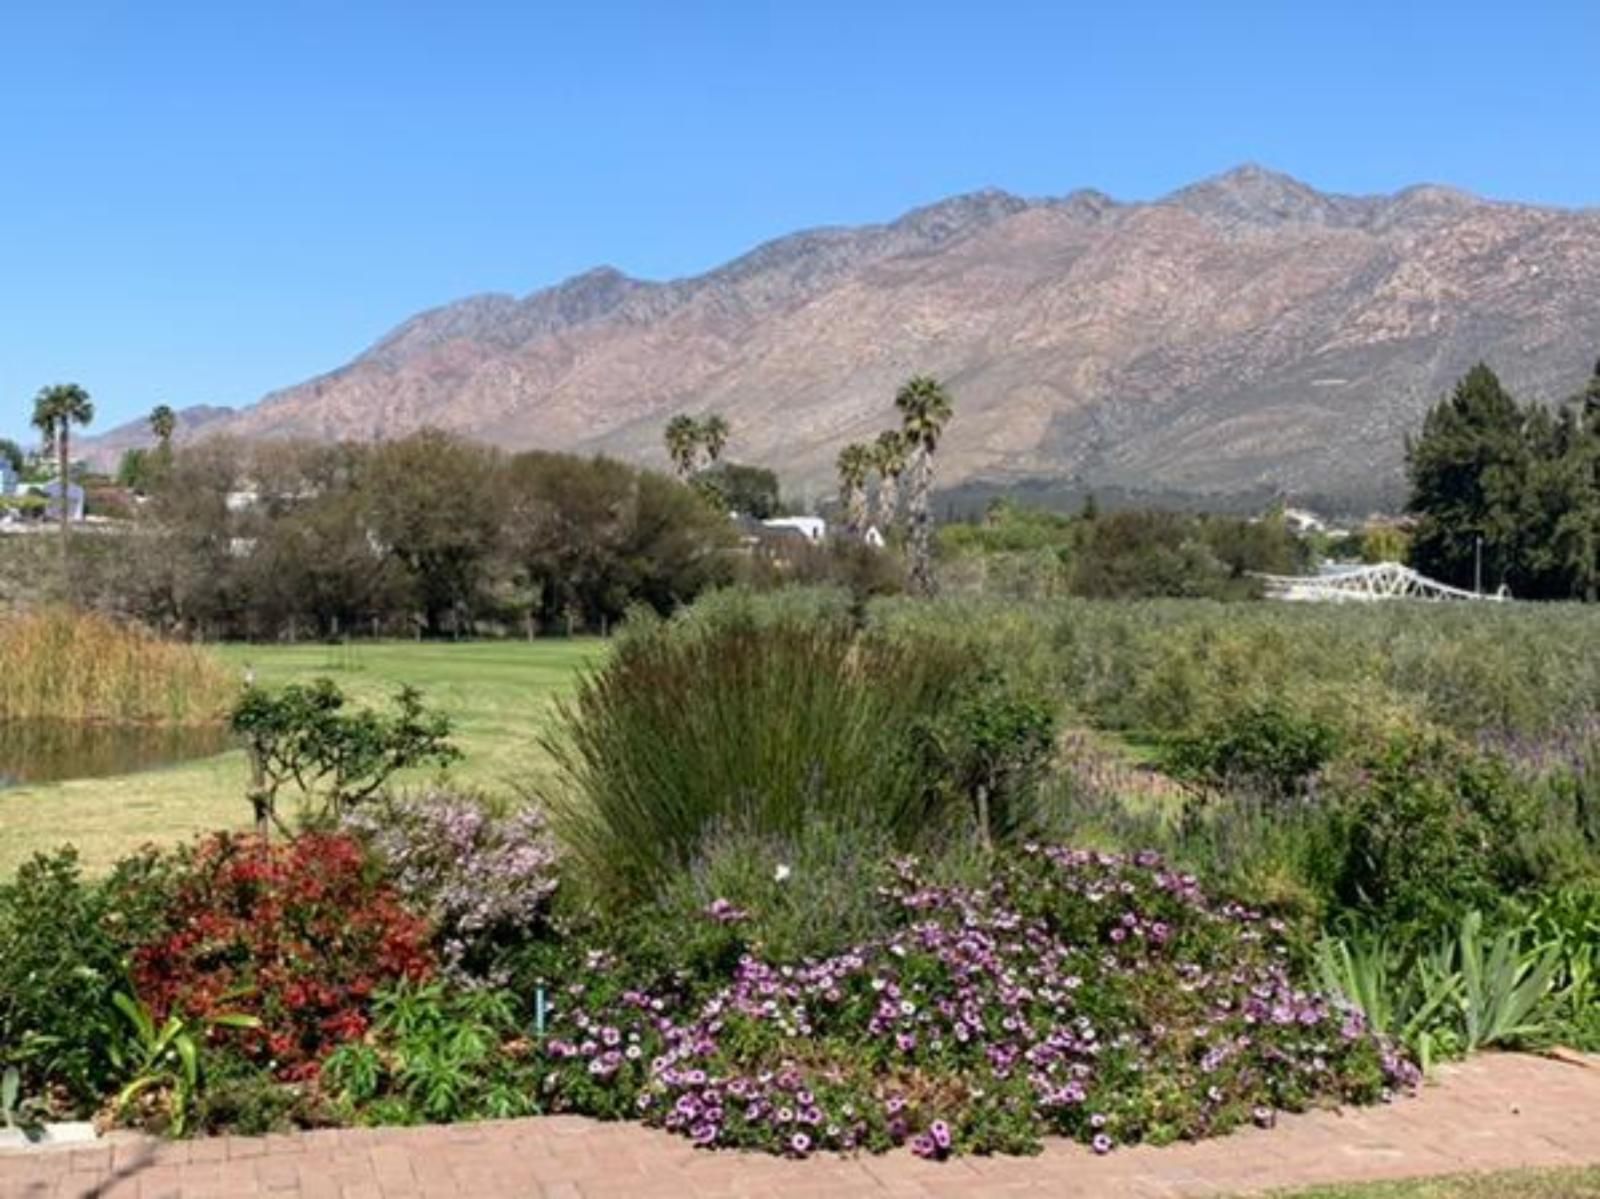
1469 474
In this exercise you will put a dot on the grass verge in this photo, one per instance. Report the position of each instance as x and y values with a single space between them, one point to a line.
497 693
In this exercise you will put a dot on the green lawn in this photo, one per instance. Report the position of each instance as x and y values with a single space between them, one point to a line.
498 693
1515 1184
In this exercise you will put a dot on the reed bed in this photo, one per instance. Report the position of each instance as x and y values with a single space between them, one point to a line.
60 664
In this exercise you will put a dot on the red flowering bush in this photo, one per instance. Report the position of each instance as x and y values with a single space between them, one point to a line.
298 934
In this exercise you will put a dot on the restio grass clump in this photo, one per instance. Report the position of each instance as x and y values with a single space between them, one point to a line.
59 664
756 717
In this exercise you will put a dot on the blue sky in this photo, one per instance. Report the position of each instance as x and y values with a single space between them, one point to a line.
201 202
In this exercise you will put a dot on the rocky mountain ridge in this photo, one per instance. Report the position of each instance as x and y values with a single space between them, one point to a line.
1244 332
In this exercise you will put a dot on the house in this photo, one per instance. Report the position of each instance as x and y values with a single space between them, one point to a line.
812 528
52 493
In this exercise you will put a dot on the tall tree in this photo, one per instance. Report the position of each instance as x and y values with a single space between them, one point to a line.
855 462
889 460
925 408
163 423
714 437
55 410
683 444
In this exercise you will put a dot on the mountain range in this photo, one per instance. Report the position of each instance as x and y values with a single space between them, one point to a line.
1244 333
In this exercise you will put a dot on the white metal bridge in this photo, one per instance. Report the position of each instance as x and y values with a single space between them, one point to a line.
1364 584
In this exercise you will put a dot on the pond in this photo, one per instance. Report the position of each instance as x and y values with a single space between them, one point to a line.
46 751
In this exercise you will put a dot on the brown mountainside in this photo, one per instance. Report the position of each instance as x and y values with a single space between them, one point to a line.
1247 331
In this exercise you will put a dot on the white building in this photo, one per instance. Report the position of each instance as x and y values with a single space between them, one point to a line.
812 528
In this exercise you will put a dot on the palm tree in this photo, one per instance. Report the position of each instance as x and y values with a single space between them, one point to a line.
163 423
855 461
714 436
924 411
683 444
55 410
889 459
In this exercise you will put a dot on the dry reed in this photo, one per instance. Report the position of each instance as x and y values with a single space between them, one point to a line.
64 665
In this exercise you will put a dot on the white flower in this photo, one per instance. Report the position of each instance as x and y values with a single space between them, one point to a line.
781 874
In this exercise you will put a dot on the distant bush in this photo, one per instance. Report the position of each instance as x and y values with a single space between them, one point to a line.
1265 746
60 664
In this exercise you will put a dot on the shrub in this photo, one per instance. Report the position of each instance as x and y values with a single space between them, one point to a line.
303 735
67 665
988 749
298 936
1433 832
766 725
1266 746
1090 995
485 882
63 940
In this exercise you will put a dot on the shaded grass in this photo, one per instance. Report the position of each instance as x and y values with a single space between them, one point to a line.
63 665
1582 1183
497 693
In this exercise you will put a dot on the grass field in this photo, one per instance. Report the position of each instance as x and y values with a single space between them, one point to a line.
498 693
1517 1184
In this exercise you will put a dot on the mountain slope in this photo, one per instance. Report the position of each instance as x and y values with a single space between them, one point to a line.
1246 331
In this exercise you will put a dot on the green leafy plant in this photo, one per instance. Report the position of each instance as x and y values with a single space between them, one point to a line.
166 1057
436 1054
303 735
1501 990
1411 999
24 1115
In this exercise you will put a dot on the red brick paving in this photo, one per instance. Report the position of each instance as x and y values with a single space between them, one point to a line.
1496 1112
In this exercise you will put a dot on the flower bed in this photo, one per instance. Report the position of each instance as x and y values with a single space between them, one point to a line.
1096 996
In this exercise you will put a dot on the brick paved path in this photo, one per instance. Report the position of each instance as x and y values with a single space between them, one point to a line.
1494 1112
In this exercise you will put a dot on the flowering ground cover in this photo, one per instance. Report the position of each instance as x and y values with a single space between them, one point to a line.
1098 996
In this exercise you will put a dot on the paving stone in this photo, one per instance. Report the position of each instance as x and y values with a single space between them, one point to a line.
1497 1111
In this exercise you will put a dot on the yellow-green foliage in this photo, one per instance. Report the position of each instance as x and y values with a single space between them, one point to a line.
65 665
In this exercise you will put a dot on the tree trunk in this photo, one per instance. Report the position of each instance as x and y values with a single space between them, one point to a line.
62 456
260 797
921 523
888 503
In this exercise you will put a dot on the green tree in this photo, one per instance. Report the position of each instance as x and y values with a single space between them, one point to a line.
133 469
889 460
55 410
749 490
713 437
854 462
683 444
591 537
1469 474
11 454
434 501
925 408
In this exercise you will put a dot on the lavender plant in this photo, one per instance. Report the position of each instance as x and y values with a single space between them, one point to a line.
485 880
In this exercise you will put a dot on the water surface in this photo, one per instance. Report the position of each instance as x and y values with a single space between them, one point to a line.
47 751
